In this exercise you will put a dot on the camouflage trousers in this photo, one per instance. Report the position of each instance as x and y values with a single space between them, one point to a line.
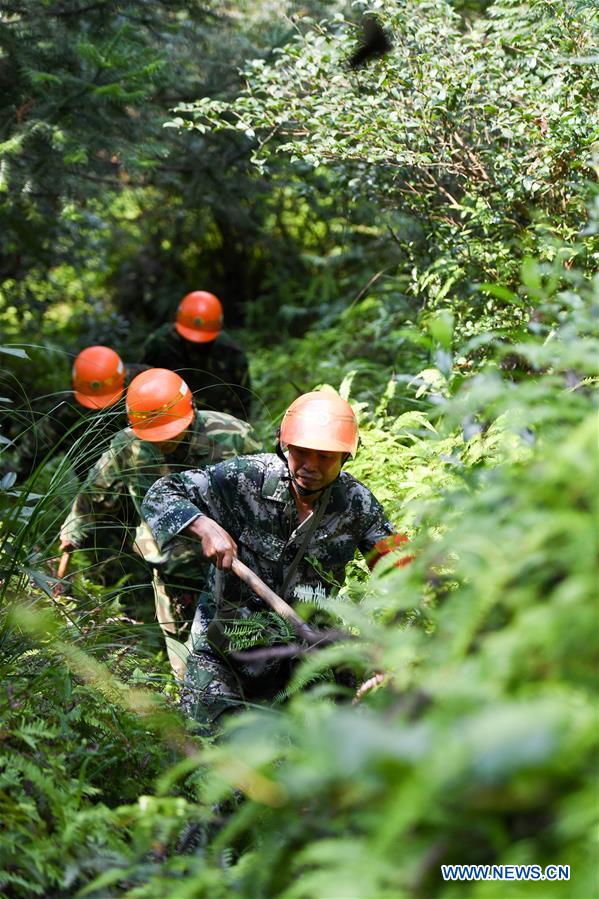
175 607
215 683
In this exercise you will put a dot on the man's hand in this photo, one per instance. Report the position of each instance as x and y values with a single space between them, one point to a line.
217 545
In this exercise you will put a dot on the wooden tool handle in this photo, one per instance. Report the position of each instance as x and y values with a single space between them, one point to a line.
63 565
275 602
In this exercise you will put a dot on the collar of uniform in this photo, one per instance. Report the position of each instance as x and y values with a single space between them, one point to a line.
198 427
145 451
276 482
195 436
338 498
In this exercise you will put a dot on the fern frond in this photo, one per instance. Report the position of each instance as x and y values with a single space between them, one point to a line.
260 629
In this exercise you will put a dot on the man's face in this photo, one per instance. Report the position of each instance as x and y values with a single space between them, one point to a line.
314 469
169 446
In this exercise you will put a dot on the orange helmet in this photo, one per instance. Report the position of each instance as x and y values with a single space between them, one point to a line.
320 420
159 405
199 317
98 377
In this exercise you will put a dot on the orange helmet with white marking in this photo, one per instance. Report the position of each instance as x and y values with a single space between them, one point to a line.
159 405
98 377
320 420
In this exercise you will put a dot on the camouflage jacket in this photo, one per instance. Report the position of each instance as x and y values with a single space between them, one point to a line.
251 498
130 466
216 372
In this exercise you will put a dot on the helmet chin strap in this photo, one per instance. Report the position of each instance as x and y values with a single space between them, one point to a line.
303 491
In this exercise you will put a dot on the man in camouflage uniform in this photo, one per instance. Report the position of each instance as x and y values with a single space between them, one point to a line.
295 519
196 347
166 434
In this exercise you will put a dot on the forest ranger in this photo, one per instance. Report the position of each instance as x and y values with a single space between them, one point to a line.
294 517
196 347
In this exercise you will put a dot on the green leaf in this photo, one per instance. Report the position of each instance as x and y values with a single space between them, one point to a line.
14 351
531 275
8 480
501 292
440 326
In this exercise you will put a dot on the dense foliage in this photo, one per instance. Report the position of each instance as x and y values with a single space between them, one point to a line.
420 233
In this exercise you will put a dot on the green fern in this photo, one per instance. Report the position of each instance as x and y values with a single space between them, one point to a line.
260 629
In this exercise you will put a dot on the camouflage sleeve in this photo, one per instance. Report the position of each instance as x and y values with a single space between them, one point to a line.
378 527
100 492
173 502
233 436
245 440
251 444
